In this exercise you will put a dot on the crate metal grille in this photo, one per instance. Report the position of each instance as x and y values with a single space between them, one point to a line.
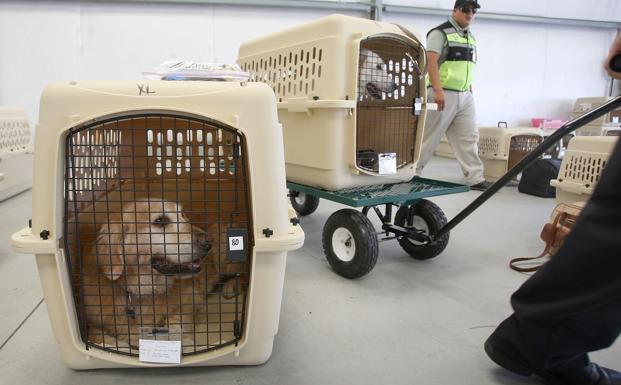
520 146
388 87
152 201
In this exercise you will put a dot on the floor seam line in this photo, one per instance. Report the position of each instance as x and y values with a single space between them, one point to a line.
21 324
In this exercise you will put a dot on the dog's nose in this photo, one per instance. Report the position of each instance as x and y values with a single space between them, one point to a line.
393 87
205 245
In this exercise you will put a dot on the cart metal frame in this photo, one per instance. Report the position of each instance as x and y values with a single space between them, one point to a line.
349 238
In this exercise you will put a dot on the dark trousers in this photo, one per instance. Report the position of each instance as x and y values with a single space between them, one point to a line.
572 305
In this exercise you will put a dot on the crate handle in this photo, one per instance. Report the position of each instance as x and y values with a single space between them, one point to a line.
293 239
305 105
25 242
571 187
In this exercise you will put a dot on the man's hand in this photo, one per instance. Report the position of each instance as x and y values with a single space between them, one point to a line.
439 98
615 49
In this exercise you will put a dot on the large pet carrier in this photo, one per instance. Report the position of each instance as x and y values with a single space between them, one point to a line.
350 97
15 152
501 148
584 160
597 127
160 222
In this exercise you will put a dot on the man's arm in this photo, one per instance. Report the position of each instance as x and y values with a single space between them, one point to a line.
434 77
436 42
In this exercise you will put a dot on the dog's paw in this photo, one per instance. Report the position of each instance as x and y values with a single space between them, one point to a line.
229 289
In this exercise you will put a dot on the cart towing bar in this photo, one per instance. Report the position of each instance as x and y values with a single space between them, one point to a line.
534 154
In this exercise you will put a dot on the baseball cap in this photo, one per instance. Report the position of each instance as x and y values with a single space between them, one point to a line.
461 3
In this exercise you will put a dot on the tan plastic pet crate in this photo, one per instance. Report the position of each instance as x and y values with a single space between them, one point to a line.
15 152
597 127
160 222
350 97
501 148
584 160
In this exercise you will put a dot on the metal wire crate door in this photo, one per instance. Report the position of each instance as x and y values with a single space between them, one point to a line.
151 201
388 88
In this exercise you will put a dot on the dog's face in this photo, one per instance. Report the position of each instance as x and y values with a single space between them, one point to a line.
149 245
373 75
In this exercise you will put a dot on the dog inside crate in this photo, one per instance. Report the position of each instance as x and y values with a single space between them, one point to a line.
152 202
388 86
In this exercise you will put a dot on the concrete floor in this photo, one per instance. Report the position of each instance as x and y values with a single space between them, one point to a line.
406 322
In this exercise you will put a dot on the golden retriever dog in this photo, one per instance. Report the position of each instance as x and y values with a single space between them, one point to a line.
143 267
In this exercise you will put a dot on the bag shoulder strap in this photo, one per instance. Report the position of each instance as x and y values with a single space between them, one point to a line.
563 217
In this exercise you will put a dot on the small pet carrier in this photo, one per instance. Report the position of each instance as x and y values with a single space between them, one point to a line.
501 148
584 160
350 97
151 243
598 126
15 152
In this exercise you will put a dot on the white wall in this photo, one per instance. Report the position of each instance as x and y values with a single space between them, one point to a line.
525 70
531 70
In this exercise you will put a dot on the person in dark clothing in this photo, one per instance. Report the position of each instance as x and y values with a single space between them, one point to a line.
572 305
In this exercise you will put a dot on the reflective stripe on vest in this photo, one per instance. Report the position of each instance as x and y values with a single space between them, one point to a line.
457 71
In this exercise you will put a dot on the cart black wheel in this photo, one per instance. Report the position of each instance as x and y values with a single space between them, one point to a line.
350 243
427 216
302 203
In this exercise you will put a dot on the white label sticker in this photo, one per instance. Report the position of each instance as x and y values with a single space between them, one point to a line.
387 163
236 243
161 352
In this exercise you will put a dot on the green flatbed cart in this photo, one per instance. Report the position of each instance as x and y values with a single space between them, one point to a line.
350 241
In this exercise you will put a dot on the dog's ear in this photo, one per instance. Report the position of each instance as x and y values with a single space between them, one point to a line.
110 248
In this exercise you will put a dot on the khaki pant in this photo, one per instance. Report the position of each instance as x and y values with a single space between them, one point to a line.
457 121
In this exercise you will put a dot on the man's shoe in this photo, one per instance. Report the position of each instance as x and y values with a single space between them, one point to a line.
481 186
505 359
603 376
592 374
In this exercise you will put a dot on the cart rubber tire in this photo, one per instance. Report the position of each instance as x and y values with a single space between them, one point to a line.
303 204
434 219
350 243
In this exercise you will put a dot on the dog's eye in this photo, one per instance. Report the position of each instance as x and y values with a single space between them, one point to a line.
379 67
161 221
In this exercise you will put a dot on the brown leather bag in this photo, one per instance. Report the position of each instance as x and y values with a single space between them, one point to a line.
562 219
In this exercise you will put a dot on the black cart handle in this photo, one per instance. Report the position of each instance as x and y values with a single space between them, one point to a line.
549 142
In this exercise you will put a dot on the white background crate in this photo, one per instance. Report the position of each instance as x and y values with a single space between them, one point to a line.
166 137
334 131
502 148
15 152
584 160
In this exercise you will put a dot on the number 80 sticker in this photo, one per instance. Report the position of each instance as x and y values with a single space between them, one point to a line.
236 243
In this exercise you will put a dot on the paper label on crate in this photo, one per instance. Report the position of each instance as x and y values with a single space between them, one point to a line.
387 163
160 352
236 246
236 243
